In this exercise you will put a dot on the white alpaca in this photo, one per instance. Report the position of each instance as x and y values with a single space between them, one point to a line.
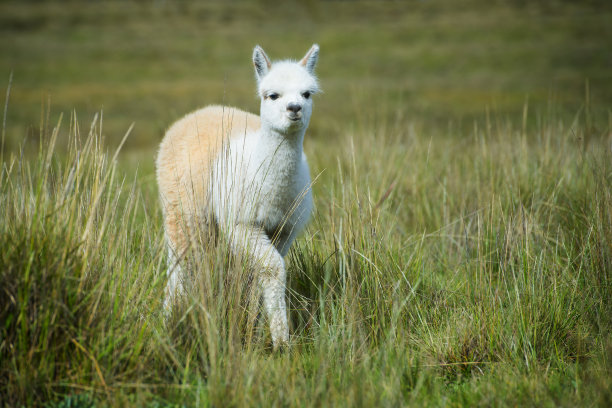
246 174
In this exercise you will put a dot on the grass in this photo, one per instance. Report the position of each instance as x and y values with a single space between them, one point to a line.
468 271
457 258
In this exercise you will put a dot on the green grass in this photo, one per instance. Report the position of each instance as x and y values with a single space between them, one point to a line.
460 251
470 270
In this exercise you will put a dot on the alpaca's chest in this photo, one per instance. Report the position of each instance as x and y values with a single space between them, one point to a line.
283 196
269 188
275 184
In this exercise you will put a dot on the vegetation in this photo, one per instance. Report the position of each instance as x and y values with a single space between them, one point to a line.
461 248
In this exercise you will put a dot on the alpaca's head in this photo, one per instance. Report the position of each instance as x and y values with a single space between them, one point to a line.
286 89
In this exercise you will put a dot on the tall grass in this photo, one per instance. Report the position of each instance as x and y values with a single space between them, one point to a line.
75 263
439 269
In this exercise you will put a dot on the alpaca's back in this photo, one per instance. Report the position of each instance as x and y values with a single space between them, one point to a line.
185 161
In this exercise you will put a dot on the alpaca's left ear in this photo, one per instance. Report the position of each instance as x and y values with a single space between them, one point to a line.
310 59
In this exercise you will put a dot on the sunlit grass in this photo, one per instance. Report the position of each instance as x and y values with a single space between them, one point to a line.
437 269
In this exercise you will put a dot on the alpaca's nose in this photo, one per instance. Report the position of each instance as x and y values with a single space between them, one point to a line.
294 107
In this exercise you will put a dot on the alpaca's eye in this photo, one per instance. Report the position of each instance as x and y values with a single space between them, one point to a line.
273 96
306 95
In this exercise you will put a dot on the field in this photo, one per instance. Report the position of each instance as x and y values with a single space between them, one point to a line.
460 253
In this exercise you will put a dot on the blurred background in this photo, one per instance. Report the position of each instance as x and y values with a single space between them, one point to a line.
438 64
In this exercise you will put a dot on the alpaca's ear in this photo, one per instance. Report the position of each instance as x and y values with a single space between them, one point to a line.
310 59
261 62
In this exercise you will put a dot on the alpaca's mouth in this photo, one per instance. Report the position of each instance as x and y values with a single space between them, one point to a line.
295 118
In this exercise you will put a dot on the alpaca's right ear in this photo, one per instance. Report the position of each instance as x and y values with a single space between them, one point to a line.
261 62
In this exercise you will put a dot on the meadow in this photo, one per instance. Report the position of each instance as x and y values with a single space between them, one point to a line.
460 253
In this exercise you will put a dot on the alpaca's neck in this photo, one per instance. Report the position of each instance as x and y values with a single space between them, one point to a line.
287 146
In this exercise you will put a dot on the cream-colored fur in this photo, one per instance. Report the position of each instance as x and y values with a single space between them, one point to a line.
247 174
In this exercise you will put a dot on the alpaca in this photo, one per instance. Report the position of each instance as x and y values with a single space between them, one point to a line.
248 175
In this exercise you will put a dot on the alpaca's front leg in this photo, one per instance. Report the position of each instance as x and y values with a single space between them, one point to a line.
254 243
272 283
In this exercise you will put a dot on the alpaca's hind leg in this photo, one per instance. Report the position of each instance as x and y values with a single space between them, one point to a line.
177 245
255 244
174 287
